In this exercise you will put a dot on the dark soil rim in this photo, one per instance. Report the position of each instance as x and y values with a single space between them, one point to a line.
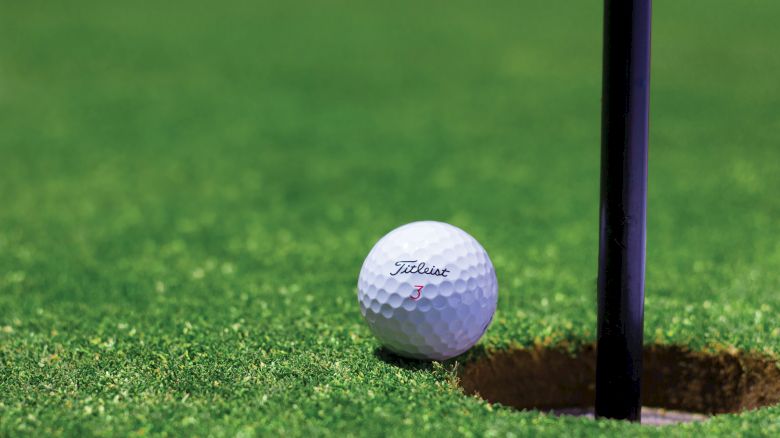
674 379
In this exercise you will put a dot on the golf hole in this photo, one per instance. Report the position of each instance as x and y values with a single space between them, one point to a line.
678 385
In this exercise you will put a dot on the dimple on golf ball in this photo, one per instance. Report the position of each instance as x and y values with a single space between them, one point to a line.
428 290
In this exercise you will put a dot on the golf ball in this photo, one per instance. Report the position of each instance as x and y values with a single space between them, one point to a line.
428 290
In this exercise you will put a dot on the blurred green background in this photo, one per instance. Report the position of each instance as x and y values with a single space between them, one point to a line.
188 189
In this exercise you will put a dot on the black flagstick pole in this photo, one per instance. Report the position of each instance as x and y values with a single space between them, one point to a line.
621 276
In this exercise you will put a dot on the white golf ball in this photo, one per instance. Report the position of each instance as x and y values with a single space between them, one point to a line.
428 290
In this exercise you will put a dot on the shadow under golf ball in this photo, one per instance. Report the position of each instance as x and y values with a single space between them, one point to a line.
678 385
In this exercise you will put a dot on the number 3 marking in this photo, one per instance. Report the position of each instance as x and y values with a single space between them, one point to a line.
418 293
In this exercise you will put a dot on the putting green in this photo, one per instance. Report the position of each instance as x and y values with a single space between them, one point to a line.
187 192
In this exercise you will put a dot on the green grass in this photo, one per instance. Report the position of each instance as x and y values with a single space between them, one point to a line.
187 192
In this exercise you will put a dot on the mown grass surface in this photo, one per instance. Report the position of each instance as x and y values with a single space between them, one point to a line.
187 191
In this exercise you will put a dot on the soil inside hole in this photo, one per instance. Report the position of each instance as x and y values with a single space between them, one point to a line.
674 379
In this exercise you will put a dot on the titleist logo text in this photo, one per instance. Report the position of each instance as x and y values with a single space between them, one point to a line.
412 267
